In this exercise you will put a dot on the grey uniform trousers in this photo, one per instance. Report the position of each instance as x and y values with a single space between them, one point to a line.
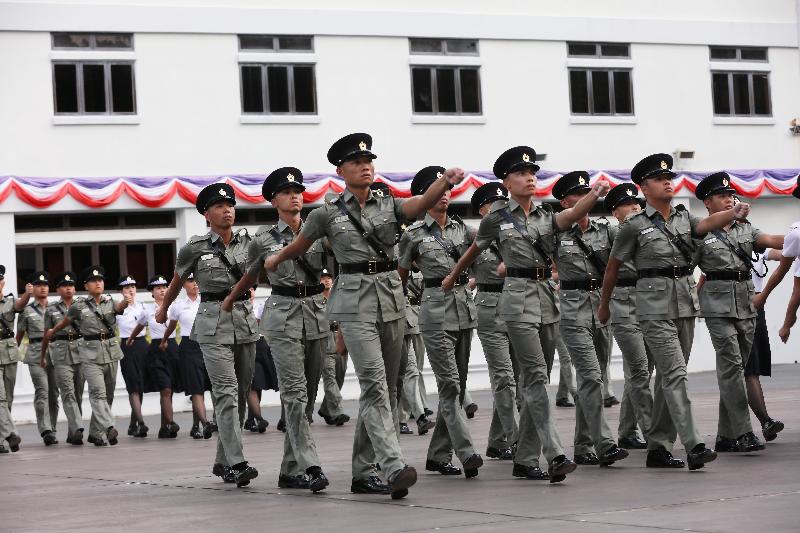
637 364
45 396
8 380
101 379
566 379
332 400
504 429
70 384
313 373
411 387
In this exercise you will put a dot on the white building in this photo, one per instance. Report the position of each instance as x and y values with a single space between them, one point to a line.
132 91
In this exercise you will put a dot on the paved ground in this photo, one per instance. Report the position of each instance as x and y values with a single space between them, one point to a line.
161 485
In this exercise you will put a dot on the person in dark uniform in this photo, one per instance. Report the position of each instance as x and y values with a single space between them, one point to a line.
264 377
134 349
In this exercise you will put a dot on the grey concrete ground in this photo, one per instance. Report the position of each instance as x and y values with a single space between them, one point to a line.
166 485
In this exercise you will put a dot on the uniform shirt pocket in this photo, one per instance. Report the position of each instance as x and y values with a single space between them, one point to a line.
344 298
512 299
207 319
276 311
432 307
716 298
651 296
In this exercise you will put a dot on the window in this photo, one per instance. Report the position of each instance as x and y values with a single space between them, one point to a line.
84 84
731 53
94 220
600 92
739 89
604 50
444 46
279 88
273 43
449 85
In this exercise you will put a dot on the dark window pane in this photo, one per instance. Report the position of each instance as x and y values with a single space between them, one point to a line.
278 89
164 258
153 219
446 90
600 92
93 221
108 256
579 91
754 54
304 90
294 43
421 81
81 258
122 88
623 99
426 46
614 50
26 265
252 97
581 49
256 42
137 264
66 88
113 40
761 94
741 94
470 91
720 52
94 88
461 46
722 102
38 222
71 40
53 260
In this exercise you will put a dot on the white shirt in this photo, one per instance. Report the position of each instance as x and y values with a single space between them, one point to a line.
149 319
791 246
258 309
184 310
760 267
129 318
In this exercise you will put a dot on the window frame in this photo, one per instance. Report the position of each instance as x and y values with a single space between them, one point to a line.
598 50
276 49
434 91
92 42
107 81
611 91
444 51
751 94
264 66
738 58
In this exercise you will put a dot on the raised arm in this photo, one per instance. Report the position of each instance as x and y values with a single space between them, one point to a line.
120 306
173 290
766 240
416 206
566 218
722 218
22 301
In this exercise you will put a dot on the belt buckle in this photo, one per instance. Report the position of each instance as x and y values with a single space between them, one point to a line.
539 273
302 291
70 337
103 336
675 271
372 267
740 275
593 284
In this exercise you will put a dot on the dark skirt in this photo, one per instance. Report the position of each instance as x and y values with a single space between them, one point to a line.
265 377
163 370
193 369
760 361
133 364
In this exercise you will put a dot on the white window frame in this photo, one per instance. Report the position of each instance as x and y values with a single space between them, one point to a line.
737 66
602 63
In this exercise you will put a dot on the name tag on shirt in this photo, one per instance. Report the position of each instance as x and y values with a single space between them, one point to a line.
428 239
275 247
342 218
567 243
712 240
504 227
647 230
206 257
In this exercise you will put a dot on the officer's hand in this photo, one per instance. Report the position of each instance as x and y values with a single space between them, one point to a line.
49 334
126 301
472 283
741 210
43 362
603 313
454 175
227 304
783 333
129 342
161 315
271 263
759 300
448 282
28 288
501 270
601 187
163 345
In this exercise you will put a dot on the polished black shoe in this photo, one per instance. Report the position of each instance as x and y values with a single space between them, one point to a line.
141 431
292 482
111 435
471 465
749 443
13 442
317 480
587 459
99 442
529 472
424 424
611 401
370 485
173 429
249 424
699 456
310 418
195 432
632 443
428 412
444 468
243 473
132 428
209 429
404 429
261 425
612 455
771 428
341 420
661 458
49 438
400 482
3 449
164 433
503 454
223 472
77 438
564 402
559 468
281 426
725 445
471 409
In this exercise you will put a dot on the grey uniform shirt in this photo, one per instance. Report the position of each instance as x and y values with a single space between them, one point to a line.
579 307
85 313
360 297
623 299
31 321
9 351
727 298
295 317
199 256
439 310
485 271
523 300
61 351
659 298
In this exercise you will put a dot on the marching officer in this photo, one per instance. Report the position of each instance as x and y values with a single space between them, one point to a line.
331 408
293 322
367 301
724 256
228 340
659 241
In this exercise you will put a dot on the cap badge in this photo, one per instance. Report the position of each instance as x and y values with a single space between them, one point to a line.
223 192
95 273
526 158
629 192
67 278
41 277
725 182
378 193
129 280
581 180
664 165
500 192
362 146
290 177
439 175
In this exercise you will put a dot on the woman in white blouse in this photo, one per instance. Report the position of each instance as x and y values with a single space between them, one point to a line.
134 348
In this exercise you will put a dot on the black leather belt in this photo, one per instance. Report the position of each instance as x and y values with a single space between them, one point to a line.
626 282
8 335
368 267
412 300
220 296
298 291
538 273
490 287
31 340
728 275
581 285
674 272
463 279
98 337
68 337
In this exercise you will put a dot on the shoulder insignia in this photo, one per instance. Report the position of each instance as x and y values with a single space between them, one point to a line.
200 238
498 205
416 225
331 198
680 207
264 229
544 206
629 216
243 232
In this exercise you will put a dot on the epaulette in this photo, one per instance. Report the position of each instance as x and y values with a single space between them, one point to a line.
243 232
497 205
631 215
416 225
680 207
264 229
200 238
544 206
331 197
602 220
